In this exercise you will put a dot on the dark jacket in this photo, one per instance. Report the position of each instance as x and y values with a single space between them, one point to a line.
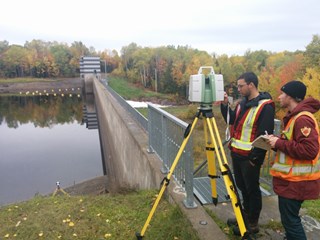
301 147
265 122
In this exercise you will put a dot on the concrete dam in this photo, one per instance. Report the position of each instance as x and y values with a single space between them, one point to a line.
124 144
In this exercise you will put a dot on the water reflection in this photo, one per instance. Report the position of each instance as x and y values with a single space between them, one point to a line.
43 111
42 141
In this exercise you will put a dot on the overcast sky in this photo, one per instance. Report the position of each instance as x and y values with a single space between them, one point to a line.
224 27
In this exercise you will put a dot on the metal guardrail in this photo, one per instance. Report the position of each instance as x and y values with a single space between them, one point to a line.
165 136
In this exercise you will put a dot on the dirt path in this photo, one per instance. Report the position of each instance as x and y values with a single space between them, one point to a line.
40 86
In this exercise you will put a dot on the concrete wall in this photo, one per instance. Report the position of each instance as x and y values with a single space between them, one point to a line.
88 83
124 143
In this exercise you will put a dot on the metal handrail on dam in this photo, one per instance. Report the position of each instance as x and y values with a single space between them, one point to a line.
165 134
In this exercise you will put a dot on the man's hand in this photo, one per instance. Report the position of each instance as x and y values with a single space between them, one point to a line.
272 140
225 99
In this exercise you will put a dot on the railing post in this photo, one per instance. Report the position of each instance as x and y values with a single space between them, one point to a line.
189 201
164 148
149 149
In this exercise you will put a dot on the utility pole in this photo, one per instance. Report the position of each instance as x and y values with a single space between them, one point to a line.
155 80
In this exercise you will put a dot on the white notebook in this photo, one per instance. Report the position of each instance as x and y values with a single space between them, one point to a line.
261 142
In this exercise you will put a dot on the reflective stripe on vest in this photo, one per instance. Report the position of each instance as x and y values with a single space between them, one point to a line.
244 143
297 170
292 169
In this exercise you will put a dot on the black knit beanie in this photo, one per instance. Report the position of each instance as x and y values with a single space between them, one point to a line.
295 89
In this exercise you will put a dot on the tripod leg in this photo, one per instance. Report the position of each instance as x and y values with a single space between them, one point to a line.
55 192
227 177
63 191
166 180
212 171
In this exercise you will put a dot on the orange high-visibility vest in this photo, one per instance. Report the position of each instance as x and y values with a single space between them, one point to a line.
291 169
241 141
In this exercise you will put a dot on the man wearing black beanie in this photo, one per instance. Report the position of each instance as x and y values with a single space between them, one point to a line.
295 89
296 169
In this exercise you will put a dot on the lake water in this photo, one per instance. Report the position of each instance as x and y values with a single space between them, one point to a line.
43 141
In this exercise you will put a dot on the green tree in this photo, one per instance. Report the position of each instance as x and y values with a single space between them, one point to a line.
312 53
14 62
62 57
255 61
225 68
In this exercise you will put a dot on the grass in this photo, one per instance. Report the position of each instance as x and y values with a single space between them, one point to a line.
93 217
313 208
130 91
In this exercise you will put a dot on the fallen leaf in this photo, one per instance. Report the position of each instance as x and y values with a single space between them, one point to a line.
107 235
7 235
71 224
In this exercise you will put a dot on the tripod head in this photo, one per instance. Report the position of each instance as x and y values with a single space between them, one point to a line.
205 107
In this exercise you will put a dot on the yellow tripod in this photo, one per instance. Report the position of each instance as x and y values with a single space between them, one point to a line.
59 189
213 144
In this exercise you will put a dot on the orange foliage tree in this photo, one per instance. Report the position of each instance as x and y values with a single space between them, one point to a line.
312 80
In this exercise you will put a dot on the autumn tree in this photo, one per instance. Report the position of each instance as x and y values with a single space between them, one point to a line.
312 80
292 69
77 50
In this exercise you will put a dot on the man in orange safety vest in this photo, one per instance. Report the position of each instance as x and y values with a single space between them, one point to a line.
296 169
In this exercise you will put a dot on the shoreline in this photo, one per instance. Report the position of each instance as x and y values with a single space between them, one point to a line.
16 88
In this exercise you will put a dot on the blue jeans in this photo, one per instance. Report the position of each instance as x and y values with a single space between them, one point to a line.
290 219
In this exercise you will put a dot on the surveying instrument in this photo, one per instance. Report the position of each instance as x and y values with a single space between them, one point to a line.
59 189
206 89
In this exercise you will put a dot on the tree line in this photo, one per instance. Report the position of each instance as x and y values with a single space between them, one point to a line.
164 69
